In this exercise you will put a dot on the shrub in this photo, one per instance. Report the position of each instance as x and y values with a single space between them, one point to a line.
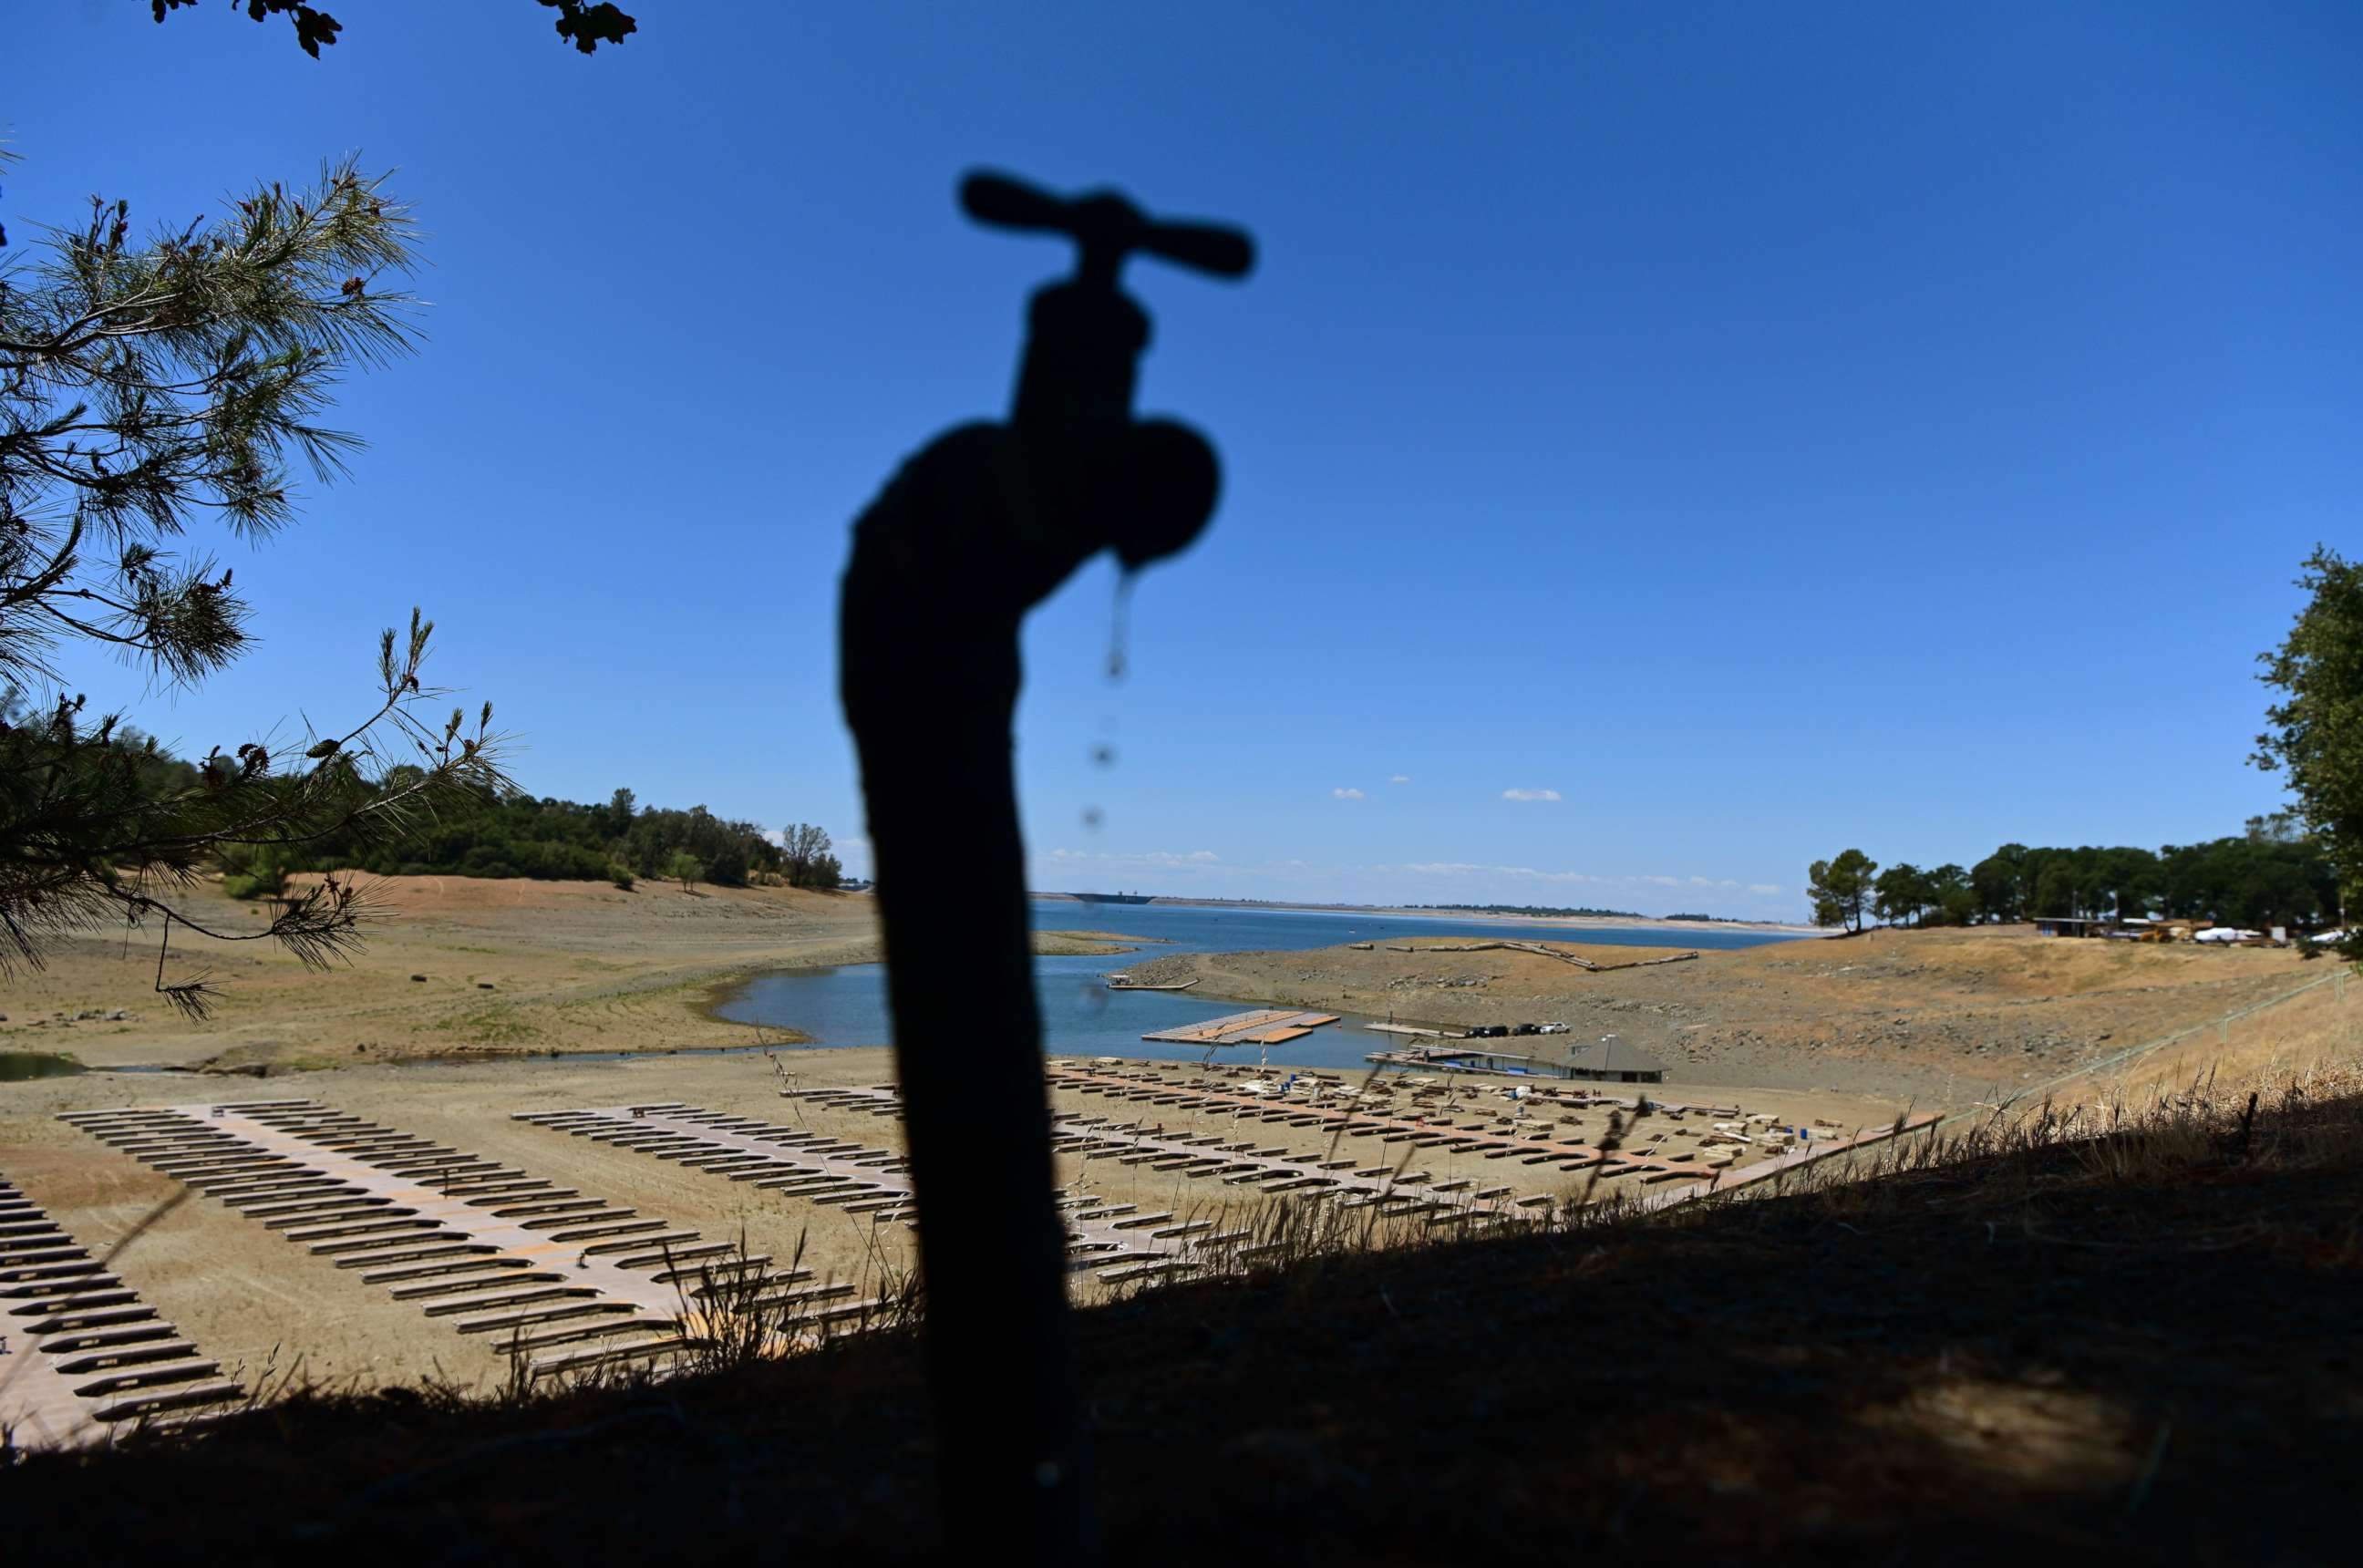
251 870
621 875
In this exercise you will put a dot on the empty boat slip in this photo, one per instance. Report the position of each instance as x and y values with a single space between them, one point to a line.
500 1253
81 1357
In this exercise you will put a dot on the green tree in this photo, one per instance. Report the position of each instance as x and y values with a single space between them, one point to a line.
2056 887
1840 888
1999 882
2315 733
147 387
2131 878
581 23
686 869
622 807
806 859
1952 902
1902 891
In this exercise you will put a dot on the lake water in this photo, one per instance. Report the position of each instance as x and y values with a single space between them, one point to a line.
21 1066
1080 1016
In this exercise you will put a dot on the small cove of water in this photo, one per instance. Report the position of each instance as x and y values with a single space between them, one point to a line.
23 1066
1080 1016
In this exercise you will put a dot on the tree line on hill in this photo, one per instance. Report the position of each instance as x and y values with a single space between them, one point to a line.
492 832
520 835
2275 873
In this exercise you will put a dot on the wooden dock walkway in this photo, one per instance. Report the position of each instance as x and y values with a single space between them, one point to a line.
81 1357
1265 1026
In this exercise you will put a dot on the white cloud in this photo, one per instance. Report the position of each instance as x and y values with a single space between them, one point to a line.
1346 795
1400 778
1466 868
1764 889
1530 794
1144 859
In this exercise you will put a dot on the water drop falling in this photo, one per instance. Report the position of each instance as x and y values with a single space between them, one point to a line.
1119 625
1091 816
1104 756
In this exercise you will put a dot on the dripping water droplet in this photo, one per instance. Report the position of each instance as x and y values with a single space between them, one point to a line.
1091 816
1104 756
1119 625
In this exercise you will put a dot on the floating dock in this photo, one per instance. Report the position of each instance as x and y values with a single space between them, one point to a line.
1266 1026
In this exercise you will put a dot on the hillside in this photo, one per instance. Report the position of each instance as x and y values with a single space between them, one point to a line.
1944 1015
453 964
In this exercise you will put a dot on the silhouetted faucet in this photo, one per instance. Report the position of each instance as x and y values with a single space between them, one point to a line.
975 531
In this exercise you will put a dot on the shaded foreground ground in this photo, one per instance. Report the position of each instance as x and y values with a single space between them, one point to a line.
2140 1347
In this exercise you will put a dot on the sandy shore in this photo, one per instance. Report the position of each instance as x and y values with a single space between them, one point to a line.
1941 1017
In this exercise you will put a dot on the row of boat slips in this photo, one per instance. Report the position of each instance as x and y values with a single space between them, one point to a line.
1115 1240
566 1282
1697 1177
533 1266
81 1357
1276 1171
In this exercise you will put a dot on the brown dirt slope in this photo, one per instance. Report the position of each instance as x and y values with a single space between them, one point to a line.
1942 1016
507 966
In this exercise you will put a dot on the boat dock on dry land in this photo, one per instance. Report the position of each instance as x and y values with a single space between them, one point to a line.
1265 1026
1607 1061
1447 1058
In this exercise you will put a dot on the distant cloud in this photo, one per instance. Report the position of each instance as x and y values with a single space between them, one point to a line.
1400 778
1466 868
1530 794
1151 857
1346 795
1764 889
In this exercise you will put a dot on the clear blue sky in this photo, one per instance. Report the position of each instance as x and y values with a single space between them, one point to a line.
1765 428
